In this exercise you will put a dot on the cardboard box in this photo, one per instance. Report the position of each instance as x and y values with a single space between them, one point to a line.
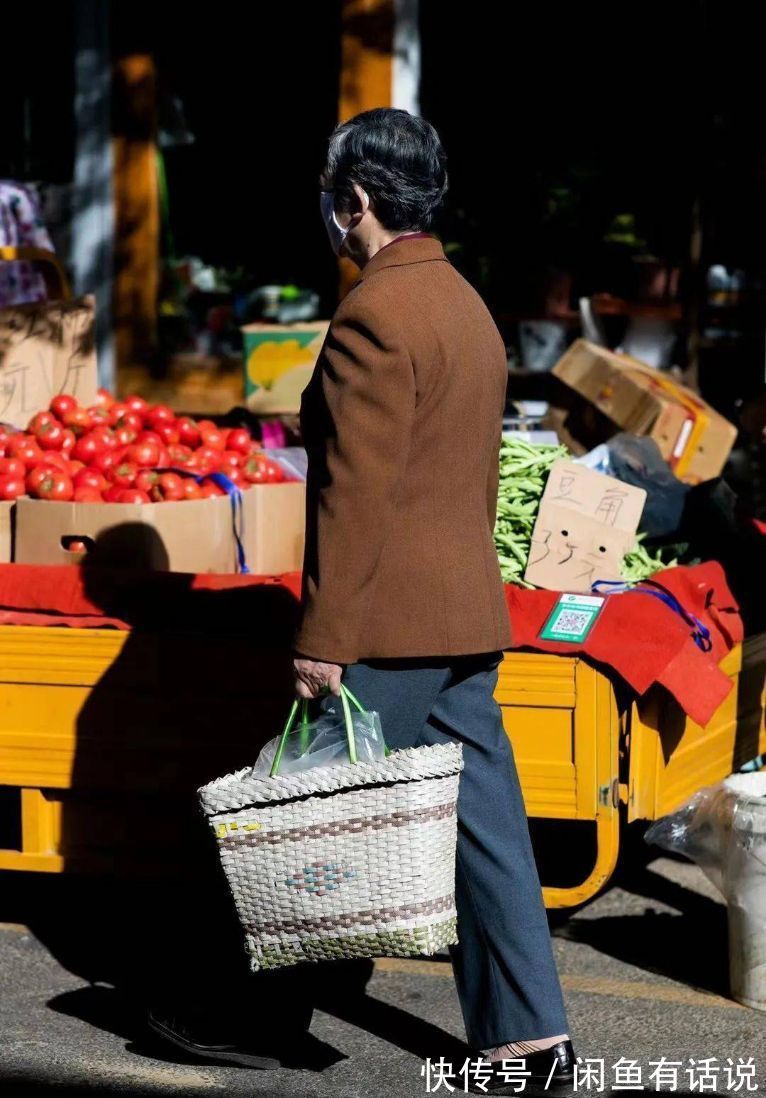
46 349
614 389
192 536
274 527
279 360
7 509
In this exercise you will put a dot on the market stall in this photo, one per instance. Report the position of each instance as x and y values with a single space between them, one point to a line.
150 591
124 692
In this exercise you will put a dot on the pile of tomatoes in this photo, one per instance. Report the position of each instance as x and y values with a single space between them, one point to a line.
126 451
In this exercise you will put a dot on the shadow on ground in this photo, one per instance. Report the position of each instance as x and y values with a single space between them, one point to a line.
138 944
660 942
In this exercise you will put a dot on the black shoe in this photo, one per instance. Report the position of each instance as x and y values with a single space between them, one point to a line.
555 1064
171 1027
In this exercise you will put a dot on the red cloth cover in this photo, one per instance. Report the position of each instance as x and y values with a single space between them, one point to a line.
637 636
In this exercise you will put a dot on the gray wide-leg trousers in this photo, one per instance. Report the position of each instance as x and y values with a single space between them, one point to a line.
504 967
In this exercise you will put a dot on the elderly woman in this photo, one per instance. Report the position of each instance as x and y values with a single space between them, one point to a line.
402 591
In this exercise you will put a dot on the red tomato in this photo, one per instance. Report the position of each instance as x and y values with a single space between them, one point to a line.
41 420
12 467
209 489
104 460
68 442
25 448
124 435
5 437
236 476
146 480
214 439
179 455
98 415
86 495
206 425
239 440
229 460
92 479
35 477
50 436
145 454
275 474
78 420
104 399
164 459
132 495
86 449
169 433
62 404
137 405
124 474
188 432
116 412
11 487
159 413
53 484
96 442
196 465
54 459
110 494
126 418
77 545
149 436
169 486
255 470
192 490
105 437
208 457
73 468
262 470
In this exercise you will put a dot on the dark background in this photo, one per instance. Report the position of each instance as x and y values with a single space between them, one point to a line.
556 118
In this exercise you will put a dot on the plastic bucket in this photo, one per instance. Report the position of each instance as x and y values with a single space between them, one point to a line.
745 889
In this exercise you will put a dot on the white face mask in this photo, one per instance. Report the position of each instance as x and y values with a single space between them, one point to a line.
335 231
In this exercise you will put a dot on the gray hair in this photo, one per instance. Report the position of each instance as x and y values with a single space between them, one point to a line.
397 158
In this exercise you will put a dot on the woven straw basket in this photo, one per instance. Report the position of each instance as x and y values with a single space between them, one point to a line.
355 860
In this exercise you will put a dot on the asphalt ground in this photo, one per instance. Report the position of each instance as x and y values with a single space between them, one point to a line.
643 967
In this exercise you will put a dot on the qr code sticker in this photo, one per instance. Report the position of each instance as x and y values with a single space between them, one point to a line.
575 622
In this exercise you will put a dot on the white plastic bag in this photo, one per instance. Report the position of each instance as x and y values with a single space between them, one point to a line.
323 742
723 829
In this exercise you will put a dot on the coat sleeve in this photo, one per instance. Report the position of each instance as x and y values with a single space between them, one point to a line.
368 391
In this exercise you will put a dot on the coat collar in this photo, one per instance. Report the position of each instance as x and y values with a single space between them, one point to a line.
402 252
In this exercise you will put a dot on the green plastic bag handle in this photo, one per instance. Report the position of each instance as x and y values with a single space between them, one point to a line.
345 697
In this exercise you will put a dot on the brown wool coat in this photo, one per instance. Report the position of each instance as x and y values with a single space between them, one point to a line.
402 421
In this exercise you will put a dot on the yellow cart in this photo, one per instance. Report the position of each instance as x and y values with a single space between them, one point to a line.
105 736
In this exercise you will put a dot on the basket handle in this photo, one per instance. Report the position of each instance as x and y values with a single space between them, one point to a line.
345 697
56 281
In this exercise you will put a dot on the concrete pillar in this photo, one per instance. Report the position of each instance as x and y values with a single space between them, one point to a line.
92 236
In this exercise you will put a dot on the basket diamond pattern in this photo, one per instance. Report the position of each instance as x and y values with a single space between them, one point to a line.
346 861
319 879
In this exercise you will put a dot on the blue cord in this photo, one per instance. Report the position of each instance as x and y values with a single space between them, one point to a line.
700 632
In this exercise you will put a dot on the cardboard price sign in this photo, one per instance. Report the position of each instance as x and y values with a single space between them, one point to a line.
586 524
45 349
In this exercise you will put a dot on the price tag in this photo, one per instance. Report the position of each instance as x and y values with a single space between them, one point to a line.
572 618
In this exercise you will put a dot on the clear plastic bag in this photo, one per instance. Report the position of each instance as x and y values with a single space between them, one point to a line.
701 829
723 829
323 742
